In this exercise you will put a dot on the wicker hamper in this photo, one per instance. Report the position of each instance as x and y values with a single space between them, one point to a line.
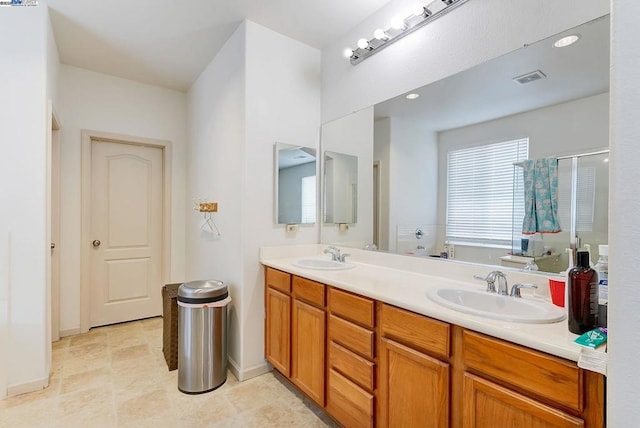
170 324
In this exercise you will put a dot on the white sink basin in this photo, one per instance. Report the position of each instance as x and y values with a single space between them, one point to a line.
323 264
496 306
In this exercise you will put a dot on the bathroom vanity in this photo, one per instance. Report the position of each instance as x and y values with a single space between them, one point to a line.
367 345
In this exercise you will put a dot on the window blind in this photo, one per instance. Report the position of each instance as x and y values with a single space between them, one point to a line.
483 199
308 209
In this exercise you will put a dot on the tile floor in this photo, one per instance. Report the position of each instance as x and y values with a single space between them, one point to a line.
116 376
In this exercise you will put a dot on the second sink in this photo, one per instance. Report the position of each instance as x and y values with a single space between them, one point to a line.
495 306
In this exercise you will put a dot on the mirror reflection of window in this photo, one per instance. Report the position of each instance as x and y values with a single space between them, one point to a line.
482 199
308 199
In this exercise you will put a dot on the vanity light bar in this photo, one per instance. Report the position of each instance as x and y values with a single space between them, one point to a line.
434 10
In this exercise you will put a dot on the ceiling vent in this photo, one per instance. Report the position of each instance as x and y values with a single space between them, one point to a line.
530 77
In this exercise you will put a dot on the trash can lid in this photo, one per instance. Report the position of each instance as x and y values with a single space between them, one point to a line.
202 291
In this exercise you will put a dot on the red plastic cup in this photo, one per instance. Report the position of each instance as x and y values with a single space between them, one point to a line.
557 292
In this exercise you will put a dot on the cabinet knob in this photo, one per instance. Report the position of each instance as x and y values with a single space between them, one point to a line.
96 243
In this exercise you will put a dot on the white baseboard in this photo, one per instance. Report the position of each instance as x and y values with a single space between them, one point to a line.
233 368
23 388
249 373
70 332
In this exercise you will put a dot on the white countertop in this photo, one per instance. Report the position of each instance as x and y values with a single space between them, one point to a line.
404 282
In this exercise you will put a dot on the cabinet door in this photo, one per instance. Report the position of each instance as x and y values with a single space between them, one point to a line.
414 388
308 350
278 328
487 405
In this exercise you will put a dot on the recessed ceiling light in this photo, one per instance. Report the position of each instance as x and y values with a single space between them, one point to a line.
412 96
567 41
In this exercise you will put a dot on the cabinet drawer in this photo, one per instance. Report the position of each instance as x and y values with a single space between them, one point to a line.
310 291
543 375
351 336
349 404
351 307
278 280
426 334
356 368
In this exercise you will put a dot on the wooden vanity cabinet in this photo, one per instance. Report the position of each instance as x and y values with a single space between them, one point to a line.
351 354
368 363
413 370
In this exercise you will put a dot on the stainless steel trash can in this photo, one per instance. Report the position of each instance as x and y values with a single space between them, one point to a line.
202 336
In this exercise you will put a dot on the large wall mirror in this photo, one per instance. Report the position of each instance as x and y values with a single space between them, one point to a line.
448 176
295 184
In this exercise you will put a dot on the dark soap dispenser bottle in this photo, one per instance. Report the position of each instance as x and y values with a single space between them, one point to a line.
583 296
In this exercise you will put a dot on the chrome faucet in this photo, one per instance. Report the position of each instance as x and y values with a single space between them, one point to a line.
335 254
492 278
515 289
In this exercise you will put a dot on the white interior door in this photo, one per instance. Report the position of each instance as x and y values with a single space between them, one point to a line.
55 236
126 232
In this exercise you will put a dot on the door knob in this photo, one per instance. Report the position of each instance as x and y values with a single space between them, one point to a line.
96 243
53 245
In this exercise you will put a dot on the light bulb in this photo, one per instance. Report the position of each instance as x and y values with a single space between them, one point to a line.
398 23
347 52
417 10
363 43
380 34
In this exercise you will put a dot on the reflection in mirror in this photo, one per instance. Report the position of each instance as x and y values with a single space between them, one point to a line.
560 112
340 188
295 184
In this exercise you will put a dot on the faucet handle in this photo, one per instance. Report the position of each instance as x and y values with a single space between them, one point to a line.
515 289
343 257
491 286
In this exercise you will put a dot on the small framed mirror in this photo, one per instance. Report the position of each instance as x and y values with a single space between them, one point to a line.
340 188
295 185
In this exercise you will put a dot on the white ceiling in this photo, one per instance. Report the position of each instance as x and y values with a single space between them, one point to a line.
487 91
169 42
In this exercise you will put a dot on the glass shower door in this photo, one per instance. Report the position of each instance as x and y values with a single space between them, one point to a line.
592 203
